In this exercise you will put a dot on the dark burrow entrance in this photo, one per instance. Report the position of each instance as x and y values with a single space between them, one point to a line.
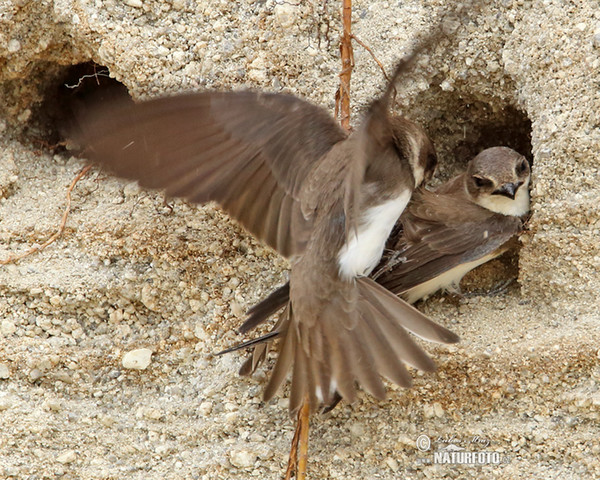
461 128
70 91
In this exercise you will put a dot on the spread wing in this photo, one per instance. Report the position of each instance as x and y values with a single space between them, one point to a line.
250 152
436 234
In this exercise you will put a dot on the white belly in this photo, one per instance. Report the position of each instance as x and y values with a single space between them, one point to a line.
363 250
447 280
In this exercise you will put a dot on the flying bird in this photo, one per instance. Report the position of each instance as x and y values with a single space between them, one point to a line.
325 199
440 236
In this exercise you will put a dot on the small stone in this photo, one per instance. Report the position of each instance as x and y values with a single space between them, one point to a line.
446 86
257 70
24 116
67 457
55 300
52 405
392 463
236 309
285 15
149 298
137 359
195 305
131 189
7 401
106 420
596 40
8 169
438 409
4 371
14 46
357 429
134 3
35 374
205 408
200 333
428 411
242 458
149 413
7 328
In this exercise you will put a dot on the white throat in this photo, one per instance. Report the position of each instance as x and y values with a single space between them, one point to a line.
364 247
506 206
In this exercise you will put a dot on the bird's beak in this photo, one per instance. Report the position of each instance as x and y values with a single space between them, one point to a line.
507 190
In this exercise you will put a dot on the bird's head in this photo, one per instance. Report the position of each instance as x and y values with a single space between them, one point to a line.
411 141
498 179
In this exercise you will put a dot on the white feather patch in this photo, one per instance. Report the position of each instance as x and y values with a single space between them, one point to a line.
332 389
417 168
361 253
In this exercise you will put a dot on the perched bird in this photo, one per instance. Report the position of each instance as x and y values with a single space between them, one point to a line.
465 222
441 235
325 199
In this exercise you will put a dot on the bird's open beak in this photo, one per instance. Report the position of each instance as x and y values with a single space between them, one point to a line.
507 190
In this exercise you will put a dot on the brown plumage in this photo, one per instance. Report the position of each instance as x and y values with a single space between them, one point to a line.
463 223
441 235
325 199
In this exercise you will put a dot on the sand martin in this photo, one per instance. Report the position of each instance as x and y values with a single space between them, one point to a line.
325 199
465 222
441 235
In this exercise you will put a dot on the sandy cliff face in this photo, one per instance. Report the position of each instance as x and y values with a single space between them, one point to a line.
131 272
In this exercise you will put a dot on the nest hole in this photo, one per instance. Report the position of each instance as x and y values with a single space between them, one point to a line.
70 90
461 127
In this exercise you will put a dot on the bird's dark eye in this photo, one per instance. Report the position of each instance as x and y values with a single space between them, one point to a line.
482 182
522 167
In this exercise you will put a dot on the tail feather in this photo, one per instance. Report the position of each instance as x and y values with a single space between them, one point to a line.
388 363
336 341
285 358
405 314
343 348
301 381
366 367
402 345
258 355
260 312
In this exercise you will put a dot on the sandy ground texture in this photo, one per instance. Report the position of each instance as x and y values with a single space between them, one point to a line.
173 280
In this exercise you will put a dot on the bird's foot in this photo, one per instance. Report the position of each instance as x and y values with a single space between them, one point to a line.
497 289
389 265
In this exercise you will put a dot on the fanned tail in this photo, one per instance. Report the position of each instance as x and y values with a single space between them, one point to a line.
346 347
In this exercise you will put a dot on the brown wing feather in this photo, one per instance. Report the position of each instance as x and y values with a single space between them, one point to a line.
249 152
439 232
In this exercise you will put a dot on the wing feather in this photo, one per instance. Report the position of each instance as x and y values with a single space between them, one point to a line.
250 152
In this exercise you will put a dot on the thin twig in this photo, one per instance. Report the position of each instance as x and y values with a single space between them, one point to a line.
14 258
368 49
293 458
100 73
303 420
343 95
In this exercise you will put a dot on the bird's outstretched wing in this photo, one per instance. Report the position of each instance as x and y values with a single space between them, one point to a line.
250 152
